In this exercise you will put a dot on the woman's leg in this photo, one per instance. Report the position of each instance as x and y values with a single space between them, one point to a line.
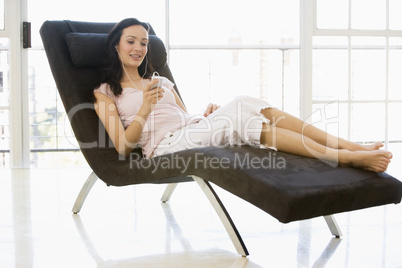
289 141
284 120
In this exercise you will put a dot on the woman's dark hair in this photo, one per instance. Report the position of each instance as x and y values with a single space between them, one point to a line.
112 71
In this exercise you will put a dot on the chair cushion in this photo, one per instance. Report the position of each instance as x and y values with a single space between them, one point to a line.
88 49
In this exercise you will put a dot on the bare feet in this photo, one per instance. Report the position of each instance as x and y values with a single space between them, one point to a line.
375 160
352 146
372 147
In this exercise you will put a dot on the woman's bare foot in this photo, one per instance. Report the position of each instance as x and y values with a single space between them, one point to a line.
376 161
352 146
372 147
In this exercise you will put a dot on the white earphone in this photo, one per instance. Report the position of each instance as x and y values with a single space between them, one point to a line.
124 69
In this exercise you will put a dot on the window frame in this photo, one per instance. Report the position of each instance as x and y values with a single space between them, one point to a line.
349 33
16 11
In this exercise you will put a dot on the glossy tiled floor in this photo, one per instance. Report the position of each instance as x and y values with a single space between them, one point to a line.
130 227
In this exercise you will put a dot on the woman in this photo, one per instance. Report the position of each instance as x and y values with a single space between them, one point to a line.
135 112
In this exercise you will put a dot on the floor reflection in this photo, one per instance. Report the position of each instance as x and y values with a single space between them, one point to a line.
187 258
304 247
21 218
327 253
129 227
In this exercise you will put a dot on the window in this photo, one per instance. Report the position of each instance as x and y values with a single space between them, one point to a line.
221 49
52 141
357 50
2 15
4 96
206 58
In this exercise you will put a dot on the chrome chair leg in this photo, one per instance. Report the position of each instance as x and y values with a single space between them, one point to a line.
223 215
86 188
168 192
333 226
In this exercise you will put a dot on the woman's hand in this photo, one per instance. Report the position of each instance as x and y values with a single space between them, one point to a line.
211 108
151 96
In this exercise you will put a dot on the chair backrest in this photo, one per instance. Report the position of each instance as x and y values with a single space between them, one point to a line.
75 51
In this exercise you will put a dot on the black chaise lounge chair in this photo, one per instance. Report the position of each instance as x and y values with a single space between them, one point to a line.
306 188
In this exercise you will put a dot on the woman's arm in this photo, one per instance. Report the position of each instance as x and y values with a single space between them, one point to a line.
210 108
125 140
178 100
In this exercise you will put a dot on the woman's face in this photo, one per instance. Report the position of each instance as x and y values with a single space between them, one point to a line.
132 47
